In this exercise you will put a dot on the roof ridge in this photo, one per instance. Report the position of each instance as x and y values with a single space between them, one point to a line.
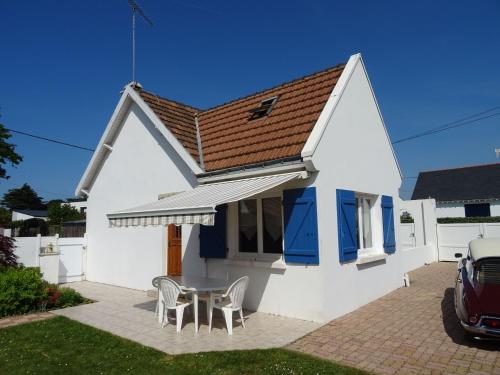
310 75
171 100
307 76
461 167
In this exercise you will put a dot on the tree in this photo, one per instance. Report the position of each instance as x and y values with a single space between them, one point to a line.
59 213
23 198
5 217
7 256
7 152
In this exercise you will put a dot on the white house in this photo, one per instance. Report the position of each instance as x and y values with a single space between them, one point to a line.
471 191
18 215
78 204
293 186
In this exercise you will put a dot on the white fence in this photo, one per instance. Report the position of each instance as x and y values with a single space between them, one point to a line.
407 235
455 238
65 263
417 241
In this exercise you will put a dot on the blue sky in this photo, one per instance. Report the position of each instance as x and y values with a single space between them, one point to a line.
63 64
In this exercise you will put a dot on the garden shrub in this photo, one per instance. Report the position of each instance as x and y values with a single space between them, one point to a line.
68 297
33 227
465 220
21 290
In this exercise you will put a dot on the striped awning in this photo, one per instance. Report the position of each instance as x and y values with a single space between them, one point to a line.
198 206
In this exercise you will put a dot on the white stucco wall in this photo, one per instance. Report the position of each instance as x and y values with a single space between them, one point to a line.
495 208
354 154
458 209
141 166
450 210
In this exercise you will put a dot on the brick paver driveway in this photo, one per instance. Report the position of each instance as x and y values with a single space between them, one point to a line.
409 331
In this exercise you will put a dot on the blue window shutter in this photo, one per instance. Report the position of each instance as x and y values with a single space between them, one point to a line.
301 226
346 225
388 221
213 242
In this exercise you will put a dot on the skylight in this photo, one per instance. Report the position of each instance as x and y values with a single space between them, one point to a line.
264 109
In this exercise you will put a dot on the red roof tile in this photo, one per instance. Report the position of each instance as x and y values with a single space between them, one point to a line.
230 138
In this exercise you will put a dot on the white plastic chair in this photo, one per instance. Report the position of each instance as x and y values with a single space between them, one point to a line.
156 284
229 302
170 292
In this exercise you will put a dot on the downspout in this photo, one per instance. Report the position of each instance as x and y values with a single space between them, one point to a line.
198 141
202 166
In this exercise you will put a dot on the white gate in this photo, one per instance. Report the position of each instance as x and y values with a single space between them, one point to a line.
455 238
71 259
407 235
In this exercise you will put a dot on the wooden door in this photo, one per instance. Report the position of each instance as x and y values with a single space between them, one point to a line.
174 250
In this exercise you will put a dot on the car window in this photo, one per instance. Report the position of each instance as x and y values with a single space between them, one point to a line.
489 271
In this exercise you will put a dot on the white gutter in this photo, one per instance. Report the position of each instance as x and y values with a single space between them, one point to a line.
253 173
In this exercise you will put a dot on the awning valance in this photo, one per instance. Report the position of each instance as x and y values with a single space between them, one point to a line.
197 206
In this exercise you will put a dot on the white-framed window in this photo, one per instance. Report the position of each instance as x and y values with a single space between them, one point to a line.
260 226
369 226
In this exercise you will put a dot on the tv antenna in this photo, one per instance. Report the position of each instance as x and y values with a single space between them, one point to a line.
136 9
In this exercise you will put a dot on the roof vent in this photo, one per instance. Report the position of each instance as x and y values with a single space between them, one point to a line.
264 109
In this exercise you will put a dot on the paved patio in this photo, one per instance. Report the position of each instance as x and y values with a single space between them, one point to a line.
130 314
409 331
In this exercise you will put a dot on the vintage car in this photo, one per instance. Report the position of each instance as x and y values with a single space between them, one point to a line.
477 290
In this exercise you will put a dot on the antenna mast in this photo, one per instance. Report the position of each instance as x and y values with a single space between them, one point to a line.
136 9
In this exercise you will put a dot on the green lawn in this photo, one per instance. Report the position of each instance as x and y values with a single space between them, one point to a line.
63 346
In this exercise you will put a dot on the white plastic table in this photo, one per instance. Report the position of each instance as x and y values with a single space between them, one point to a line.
196 285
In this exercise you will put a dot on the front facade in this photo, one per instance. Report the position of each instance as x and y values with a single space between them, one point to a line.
462 192
295 187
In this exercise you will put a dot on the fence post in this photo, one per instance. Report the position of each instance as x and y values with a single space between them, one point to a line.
56 242
38 248
84 256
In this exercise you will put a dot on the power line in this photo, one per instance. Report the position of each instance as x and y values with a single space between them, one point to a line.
50 140
455 124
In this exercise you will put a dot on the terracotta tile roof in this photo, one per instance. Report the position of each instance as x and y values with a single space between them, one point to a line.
178 118
231 138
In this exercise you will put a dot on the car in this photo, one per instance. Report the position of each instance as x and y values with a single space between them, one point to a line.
477 288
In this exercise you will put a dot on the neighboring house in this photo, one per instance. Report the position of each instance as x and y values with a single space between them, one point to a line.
295 186
462 192
18 215
79 204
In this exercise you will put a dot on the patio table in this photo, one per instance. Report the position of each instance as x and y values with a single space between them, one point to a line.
196 285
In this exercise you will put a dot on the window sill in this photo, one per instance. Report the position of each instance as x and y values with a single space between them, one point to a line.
264 263
369 258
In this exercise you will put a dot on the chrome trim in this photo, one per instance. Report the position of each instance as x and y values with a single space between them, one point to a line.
481 330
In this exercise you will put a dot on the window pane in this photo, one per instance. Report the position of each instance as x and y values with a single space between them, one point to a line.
272 225
247 219
477 210
367 223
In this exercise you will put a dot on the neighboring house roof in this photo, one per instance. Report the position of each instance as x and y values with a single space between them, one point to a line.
481 182
231 136
34 213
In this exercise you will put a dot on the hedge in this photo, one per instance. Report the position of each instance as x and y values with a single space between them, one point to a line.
465 220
